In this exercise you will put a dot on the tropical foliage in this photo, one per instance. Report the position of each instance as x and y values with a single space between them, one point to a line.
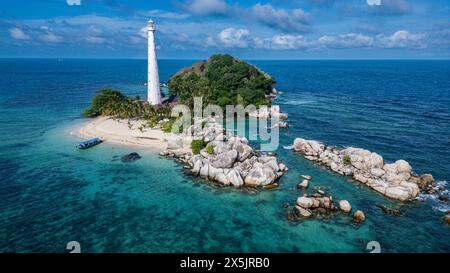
197 145
109 102
222 80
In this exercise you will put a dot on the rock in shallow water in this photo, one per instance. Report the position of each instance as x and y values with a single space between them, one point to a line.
305 202
304 184
388 210
302 212
447 218
345 206
359 217
131 157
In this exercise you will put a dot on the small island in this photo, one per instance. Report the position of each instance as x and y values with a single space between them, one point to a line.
209 150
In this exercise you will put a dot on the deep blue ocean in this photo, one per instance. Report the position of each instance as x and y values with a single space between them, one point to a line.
51 193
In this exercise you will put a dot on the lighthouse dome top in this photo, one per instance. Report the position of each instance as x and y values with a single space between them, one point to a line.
151 25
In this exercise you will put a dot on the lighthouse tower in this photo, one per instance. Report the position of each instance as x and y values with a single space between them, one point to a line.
154 93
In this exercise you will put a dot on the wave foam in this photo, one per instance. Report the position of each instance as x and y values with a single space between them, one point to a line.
437 204
290 147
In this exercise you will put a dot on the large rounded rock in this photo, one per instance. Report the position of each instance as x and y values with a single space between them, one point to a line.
403 166
225 160
221 147
308 147
243 150
401 193
305 202
376 161
377 172
426 181
345 206
302 212
221 178
235 178
204 171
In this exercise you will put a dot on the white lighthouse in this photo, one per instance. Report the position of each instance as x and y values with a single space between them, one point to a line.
154 93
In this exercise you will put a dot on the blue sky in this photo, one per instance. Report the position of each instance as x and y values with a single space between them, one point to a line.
192 29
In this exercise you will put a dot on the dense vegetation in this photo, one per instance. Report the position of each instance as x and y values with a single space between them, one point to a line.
113 103
222 80
197 145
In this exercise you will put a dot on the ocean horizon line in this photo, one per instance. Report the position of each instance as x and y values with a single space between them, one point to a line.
249 59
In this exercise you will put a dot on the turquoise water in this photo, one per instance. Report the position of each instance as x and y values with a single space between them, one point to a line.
52 193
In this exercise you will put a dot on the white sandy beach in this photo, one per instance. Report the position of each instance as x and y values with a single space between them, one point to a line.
117 131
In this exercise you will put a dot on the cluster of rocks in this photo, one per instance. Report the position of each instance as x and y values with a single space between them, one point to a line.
394 180
317 203
268 112
323 205
227 159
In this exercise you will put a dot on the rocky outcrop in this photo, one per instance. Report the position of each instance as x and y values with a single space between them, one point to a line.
315 204
321 205
231 161
392 180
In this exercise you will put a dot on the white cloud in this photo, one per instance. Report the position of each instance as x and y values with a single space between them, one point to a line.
373 2
156 13
96 40
282 42
18 34
206 7
295 20
350 40
73 2
390 7
49 36
234 38
402 39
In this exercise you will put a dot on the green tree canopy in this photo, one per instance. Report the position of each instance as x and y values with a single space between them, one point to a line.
221 80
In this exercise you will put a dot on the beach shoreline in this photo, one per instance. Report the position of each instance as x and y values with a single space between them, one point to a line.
117 131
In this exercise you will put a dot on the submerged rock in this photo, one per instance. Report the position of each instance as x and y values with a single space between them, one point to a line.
131 157
388 210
